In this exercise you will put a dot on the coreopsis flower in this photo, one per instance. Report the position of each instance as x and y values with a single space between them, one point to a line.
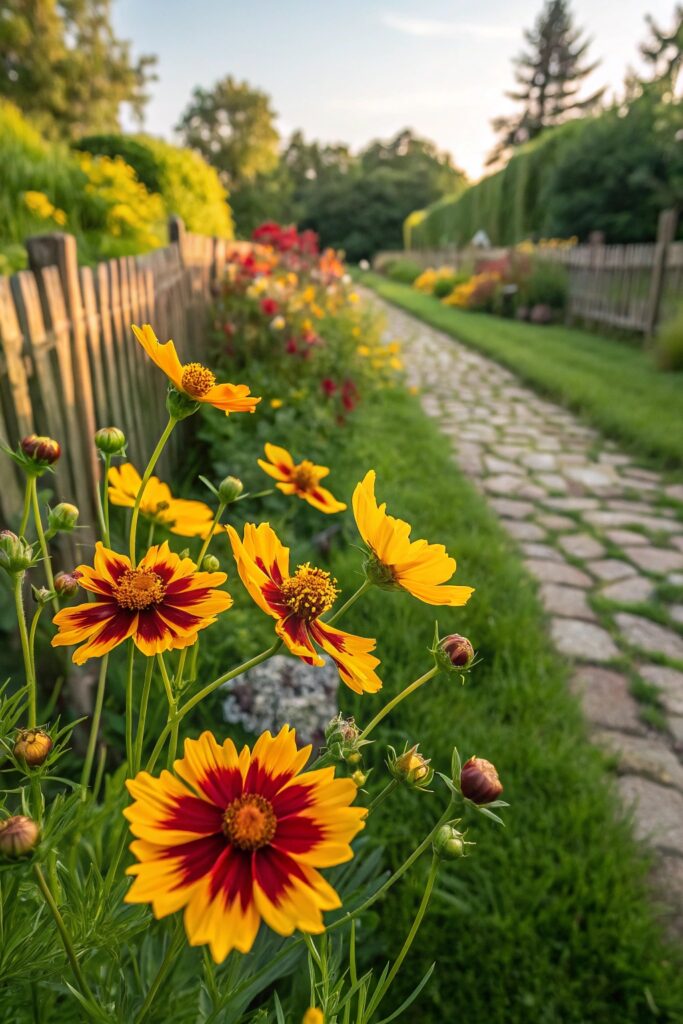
297 602
193 380
302 479
396 562
162 603
183 517
238 839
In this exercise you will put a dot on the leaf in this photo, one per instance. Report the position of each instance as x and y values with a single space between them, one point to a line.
490 814
411 998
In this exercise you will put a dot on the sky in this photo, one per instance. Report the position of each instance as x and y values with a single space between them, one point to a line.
355 70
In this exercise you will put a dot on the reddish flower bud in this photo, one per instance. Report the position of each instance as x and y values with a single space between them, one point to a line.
40 449
458 649
18 835
479 781
66 584
32 746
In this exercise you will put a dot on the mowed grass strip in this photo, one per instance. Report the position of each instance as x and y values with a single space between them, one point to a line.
549 921
612 384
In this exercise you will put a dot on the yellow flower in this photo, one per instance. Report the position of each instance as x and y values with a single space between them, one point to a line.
313 1016
363 350
193 379
302 479
185 518
396 562
276 403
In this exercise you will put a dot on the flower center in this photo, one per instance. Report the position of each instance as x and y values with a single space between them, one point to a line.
138 589
304 476
309 592
196 380
249 822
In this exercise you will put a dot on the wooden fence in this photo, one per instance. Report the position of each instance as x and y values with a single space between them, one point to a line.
628 287
69 362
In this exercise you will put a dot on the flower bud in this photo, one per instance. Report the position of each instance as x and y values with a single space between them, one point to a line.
230 489
32 746
18 835
66 584
458 650
41 595
359 777
179 405
110 440
479 781
62 518
44 451
210 564
449 844
410 767
313 1016
15 554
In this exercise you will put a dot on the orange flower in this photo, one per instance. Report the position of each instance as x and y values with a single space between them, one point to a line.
193 379
302 479
240 839
297 602
396 561
162 604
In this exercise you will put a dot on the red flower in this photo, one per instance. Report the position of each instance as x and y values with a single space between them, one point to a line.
269 307
328 385
291 347
349 395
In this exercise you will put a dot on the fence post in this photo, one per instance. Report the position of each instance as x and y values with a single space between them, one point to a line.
176 233
666 232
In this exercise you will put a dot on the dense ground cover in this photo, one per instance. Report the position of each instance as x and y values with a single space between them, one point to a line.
614 385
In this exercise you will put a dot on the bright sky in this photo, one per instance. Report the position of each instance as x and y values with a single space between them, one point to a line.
354 70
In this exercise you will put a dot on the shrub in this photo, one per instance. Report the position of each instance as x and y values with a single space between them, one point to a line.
445 285
668 347
403 271
545 285
140 158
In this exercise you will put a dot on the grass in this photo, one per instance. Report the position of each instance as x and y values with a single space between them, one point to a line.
548 922
613 385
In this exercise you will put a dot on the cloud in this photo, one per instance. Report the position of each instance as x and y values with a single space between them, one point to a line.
432 27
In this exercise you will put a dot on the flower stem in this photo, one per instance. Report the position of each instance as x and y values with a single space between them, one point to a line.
94 727
208 689
173 721
397 700
154 458
365 586
381 796
142 717
27 508
32 637
42 542
129 704
26 651
64 934
207 540
166 964
105 497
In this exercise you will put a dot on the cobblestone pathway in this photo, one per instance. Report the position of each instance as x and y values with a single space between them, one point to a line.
604 541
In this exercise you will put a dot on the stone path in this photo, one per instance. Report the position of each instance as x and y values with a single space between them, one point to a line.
603 537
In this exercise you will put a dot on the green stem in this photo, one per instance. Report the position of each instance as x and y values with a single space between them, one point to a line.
154 458
209 537
142 717
208 689
42 542
381 797
173 949
64 934
26 651
172 719
397 700
32 637
105 498
410 938
27 507
365 586
129 704
94 727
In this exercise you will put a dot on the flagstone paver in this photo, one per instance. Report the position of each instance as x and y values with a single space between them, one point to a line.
597 532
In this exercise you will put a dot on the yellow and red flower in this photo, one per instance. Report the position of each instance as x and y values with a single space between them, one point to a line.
183 517
162 604
192 379
396 561
297 602
301 478
239 838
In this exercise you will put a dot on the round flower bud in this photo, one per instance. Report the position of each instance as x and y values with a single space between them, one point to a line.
479 781
66 584
359 777
230 489
458 650
411 767
32 746
210 564
449 844
18 835
354 758
62 518
313 1016
15 554
44 451
110 440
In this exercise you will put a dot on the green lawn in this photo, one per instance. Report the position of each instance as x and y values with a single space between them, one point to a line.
612 384
547 922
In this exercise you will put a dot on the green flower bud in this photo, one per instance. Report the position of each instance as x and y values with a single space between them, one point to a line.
449 844
360 778
410 767
180 405
15 554
110 441
62 518
230 489
18 835
210 564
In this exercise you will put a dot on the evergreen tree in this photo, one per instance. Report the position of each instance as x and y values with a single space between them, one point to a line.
663 51
549 73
